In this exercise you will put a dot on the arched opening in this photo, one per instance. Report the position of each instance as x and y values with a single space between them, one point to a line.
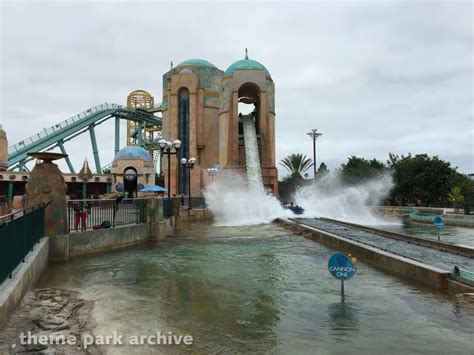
130 181
183 136
249 103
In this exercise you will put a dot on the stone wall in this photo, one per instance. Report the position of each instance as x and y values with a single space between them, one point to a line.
95 241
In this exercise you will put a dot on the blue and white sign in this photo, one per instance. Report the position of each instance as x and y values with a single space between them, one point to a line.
438 222
341 266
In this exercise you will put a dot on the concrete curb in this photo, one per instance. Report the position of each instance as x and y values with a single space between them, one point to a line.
430 276
452 248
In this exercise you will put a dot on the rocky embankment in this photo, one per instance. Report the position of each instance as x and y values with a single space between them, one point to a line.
59 316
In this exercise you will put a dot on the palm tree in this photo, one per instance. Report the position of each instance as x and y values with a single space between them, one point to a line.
297 164
455 197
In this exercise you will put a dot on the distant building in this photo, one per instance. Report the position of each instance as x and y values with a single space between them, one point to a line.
132 170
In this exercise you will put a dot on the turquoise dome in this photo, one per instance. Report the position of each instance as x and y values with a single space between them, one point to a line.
133 152
197 63
246 64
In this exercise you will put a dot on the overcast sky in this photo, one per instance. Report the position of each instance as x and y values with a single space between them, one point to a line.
374 77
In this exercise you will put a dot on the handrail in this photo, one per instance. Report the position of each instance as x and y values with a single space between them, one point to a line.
463 273
107 199
463 276
11 215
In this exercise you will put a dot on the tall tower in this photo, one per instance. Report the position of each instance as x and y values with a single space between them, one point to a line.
141 99
201 108
248 81
138 99
3 150
190 113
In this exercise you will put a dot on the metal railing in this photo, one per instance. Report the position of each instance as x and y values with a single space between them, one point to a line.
48 131
19 232
101 214
463 276
168 207
197 202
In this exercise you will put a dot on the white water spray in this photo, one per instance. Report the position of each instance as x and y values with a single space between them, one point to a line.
235 200
252 159
329 198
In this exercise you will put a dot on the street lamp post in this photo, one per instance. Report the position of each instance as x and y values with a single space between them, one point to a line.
165 147
213 172
314 134
189 164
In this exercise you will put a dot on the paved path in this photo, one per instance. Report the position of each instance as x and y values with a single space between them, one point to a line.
424 254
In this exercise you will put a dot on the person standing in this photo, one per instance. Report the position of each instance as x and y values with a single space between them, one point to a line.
80 207
77 208
85 214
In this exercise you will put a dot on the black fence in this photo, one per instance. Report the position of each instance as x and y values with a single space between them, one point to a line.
19 232
197 202
100 214
168 207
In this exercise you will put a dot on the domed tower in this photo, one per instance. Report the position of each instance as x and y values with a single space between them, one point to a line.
132 169
248 81
190 113
3 150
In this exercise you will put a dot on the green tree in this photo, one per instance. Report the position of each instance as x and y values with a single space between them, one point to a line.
297 164
467 190
455 197
421 178
359 170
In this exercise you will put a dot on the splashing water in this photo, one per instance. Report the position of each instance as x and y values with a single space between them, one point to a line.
329 198
252 160
234 202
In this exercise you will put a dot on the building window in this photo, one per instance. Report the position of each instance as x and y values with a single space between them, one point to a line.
183 128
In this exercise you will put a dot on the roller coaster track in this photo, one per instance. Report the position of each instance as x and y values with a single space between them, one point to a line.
57 135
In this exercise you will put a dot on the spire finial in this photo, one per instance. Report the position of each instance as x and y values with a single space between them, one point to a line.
246 53
171 64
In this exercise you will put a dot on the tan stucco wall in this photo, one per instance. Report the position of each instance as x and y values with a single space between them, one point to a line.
214 124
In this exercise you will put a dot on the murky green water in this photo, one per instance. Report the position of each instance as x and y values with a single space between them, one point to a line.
260 289
449 234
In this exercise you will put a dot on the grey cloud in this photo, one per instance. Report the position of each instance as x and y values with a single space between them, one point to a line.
374 77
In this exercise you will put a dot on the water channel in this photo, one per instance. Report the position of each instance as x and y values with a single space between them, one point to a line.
259 289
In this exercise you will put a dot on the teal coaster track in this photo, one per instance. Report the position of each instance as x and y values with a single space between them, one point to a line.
55 136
